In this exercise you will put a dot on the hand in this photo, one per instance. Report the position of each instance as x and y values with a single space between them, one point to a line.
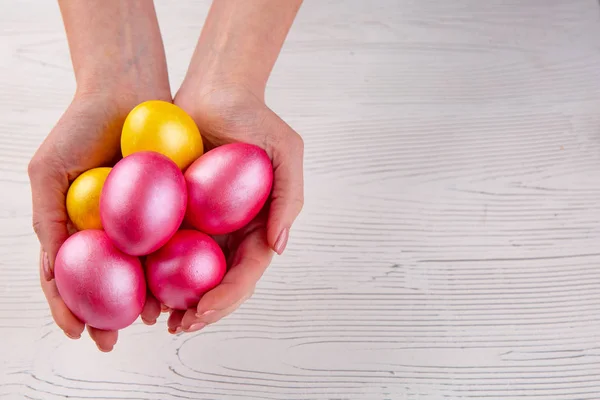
119 61
87 136
234 114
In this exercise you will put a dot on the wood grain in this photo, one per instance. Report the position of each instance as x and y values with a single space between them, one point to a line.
450 243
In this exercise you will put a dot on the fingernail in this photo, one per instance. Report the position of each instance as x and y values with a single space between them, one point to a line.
164 308
46 267
205 313
281 241
145 321
176 331
196 327
72 336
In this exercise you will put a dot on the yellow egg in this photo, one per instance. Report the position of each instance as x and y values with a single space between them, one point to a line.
162 127
83 199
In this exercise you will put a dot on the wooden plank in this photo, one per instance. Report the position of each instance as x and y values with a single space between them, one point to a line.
448 248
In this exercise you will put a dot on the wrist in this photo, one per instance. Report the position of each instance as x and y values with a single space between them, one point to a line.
239 44
215 99
116 48
122 94
216 72
123 78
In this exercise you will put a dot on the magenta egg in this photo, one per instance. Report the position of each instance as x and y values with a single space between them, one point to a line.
143 202
102 286
227 187
185 268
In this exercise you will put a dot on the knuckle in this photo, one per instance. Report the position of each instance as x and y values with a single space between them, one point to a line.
299 201
37 225
35 167
296 141
45 165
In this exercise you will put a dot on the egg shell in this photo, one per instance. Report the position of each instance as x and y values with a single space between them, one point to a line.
185 268
143 202
83 199
227 187
102 286
161 126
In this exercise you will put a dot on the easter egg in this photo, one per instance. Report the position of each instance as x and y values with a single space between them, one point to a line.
143 202
227 187
159 126
185 268
102 286
83 199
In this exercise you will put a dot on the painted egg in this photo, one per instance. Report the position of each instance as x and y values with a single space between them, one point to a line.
83 199
160 126
143 202
102 286
188 266
227 187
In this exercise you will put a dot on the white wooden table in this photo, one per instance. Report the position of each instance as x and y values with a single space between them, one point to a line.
450 243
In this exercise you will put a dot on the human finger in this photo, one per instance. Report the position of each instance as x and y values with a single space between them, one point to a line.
174 321
49 184
287 197
105 340
251 259
151 310
64 318
191 322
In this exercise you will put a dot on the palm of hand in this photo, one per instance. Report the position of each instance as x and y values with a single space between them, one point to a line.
87 136
226 117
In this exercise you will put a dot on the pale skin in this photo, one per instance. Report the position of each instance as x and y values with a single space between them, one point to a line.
119 61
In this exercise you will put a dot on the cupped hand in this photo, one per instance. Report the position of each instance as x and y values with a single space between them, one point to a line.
234 114
86 136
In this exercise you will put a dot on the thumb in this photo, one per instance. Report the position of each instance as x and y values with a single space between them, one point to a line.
49 185
287 197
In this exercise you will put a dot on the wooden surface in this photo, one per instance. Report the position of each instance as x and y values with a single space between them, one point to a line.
450 243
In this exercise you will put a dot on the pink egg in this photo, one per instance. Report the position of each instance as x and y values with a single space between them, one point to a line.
227 187
188 266
143 202
102 286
